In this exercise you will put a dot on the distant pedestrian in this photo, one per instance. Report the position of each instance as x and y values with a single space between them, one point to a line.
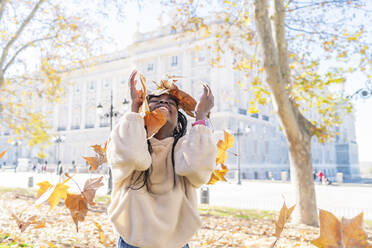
320 176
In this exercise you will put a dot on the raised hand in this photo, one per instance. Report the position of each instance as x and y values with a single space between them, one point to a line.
136 95
205 104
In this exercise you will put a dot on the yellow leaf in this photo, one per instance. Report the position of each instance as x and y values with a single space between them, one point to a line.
218 175
51 193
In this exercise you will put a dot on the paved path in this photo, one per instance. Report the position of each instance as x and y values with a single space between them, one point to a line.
343 200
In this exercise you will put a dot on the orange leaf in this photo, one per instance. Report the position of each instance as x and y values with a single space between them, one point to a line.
2 154
154 121
348 233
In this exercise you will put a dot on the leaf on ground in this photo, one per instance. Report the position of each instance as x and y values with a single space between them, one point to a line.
218 175
336 234
100 157
2 153
78 203
101 233
52 193
22 225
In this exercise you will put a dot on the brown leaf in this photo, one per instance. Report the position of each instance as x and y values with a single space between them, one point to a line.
78 203
22 225
284 215
90 188
78 207
353 233
100 157
336 234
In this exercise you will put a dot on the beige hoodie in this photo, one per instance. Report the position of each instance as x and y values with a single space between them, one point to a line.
167 217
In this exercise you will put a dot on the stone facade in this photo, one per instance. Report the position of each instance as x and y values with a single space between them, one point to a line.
259 141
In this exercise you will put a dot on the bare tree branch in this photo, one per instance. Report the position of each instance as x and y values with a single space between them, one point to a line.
281 43
23 48
18 33
317 4
2 7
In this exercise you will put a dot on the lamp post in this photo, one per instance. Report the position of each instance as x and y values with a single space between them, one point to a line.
58 139
17 145
110 115
241 130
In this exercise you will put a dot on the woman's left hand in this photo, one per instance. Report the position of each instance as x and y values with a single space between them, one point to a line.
205 104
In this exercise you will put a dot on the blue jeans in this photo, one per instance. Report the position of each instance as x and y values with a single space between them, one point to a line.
123 244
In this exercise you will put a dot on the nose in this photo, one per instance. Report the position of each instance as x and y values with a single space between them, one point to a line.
164 101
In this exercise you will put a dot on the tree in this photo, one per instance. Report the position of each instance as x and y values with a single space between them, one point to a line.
289 44
40 40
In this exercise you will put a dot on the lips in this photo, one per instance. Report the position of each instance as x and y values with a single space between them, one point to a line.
164 109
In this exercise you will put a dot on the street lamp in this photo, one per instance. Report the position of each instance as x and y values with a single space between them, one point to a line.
363 93
58 139
110 115
241 130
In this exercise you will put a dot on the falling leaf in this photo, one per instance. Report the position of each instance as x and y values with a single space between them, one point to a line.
154 120
100 157
2 154
78 203
51 193
344 234
78 207
223 146
284 215
218 175
101 233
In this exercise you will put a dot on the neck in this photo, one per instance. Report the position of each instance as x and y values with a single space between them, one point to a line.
164 132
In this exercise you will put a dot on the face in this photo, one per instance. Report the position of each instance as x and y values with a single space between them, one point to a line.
167 105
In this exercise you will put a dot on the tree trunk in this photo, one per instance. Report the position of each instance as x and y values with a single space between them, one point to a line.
303 181
296 127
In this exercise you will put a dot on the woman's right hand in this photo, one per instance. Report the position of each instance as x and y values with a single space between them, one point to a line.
136 95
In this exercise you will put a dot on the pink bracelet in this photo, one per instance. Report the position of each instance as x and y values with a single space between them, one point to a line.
200 122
